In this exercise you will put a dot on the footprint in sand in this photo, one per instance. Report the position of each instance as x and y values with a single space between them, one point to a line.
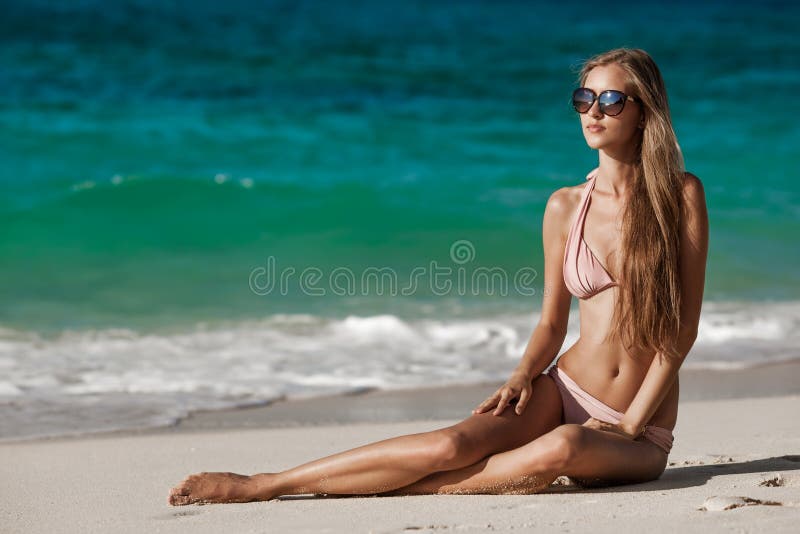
719 503
780 480
777 480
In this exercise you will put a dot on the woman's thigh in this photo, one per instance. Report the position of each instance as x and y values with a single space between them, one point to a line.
599 458
483 434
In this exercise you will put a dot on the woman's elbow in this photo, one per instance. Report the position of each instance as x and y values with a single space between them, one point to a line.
687 339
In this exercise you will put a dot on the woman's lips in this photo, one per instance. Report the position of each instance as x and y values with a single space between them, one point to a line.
594 128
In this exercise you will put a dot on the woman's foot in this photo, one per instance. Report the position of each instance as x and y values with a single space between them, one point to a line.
206 488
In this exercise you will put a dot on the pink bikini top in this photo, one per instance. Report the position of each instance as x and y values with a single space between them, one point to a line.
584 275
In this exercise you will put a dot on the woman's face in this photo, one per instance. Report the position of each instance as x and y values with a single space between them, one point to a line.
617 132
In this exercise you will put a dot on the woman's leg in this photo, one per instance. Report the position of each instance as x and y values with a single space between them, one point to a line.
388 464
590 456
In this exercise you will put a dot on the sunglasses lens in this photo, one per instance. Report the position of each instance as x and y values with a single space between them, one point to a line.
582 100
611 102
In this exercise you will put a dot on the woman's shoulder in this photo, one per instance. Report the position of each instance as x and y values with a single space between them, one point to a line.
693 191
692 179
563 201
562 205
694 212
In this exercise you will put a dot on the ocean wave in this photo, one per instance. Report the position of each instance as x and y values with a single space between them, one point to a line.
160 377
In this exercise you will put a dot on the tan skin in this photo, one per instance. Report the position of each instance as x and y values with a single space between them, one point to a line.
514 442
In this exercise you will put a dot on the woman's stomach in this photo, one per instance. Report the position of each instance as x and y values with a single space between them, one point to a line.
612 376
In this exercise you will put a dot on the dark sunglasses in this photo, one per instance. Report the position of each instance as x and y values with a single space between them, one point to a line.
611 102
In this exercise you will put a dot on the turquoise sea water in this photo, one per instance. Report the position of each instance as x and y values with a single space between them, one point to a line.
156 155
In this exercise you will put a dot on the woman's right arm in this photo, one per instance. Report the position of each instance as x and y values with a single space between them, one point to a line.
548 336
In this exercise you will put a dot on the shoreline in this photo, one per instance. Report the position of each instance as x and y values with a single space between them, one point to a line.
432 403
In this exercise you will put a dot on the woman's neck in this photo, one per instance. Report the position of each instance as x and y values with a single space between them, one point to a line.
615 176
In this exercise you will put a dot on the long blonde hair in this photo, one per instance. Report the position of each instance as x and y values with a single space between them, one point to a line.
647 313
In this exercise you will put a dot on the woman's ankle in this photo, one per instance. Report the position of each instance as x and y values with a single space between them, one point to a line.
265 485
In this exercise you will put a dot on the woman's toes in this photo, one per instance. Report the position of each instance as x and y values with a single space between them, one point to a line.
183 500
180 493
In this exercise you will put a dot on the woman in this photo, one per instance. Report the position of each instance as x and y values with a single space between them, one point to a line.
604 413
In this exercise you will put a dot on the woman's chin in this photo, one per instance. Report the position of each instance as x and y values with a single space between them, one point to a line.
594 144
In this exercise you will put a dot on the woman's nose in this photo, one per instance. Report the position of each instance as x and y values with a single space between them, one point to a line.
594 111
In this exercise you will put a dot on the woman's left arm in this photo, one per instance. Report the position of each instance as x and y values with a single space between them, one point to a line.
694 251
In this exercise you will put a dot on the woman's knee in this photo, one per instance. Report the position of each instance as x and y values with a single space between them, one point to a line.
449 449
560 447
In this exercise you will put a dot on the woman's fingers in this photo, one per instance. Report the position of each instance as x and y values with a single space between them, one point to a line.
523 401
501 398
595 423
605 426
503 402
485 405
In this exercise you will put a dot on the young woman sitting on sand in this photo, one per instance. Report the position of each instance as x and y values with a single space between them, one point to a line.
631 243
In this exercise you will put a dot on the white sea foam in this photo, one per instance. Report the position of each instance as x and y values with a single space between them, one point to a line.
119 378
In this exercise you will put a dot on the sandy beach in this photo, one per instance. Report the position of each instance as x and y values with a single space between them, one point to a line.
118 482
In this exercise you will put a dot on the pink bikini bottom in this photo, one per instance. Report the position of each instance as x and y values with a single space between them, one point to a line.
579 406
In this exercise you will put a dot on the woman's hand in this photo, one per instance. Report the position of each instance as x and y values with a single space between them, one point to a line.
611 427
518 385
